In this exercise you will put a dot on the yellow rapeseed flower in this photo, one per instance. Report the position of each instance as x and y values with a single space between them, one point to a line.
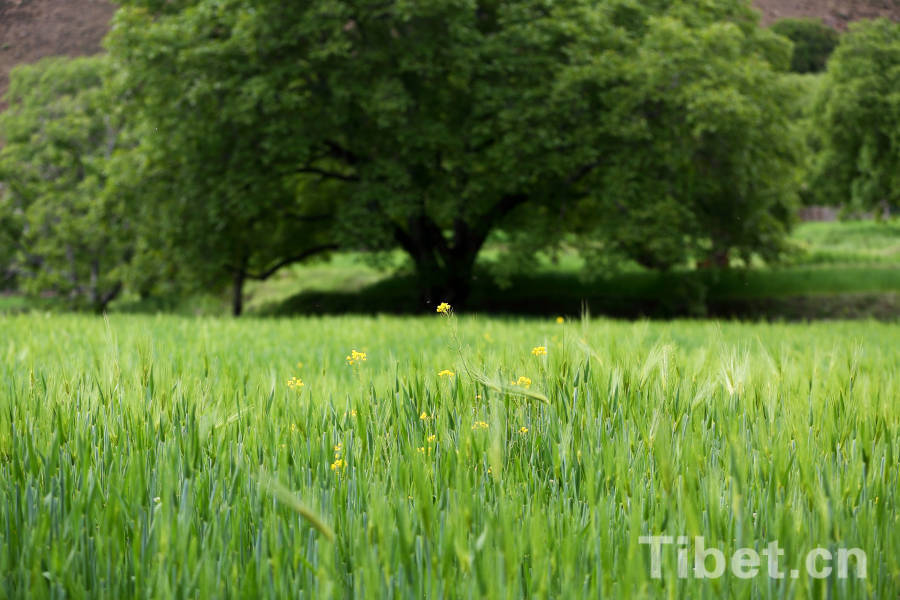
524 381
560 320
424 416
355 357
479 425
446 373
338 464
295 383
523 430
430 439
444 308
539 351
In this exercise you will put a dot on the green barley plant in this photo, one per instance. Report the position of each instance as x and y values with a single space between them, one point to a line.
161 457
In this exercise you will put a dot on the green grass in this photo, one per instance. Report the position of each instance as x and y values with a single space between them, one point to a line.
850 262
791 292
848 242
841 269
12 302
166 456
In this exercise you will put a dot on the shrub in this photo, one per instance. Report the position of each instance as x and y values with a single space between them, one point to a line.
813 43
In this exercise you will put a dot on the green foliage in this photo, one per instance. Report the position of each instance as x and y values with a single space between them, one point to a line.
848 243
707 166
161 456
802 128
428 125
858 119
215 152
813 43
64 234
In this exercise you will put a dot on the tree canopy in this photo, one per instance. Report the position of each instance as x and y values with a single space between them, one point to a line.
858 119
61 232
269 130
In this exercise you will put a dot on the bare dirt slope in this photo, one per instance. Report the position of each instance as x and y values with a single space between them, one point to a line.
836 13
32 29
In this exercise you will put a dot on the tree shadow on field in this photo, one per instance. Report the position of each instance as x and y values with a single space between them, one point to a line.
733 294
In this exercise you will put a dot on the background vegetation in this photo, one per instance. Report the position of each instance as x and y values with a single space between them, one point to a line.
217 144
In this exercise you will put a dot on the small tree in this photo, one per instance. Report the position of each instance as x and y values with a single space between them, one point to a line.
858 119
708 169
66 236
814 41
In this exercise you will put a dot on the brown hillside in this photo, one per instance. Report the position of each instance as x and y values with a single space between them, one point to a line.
836 13
32 29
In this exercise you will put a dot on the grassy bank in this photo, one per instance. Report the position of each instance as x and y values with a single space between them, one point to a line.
834 270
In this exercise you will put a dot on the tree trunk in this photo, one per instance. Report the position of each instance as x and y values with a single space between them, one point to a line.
446 280
237 292
445 267
103 300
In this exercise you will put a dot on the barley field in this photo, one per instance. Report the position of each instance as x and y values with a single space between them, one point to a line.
441 456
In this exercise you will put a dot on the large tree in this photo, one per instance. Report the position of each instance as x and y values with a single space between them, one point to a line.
858 119
428 125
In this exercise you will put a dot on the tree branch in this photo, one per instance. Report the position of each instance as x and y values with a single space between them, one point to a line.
582 172
290 260
327 174
110 295
337 151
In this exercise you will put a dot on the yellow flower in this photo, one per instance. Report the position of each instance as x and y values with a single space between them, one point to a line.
524 381
337 448
446 373
338 464
523 430
539 351
479 425
355 357
560 320
430 439
444 308
295 383
424 416
299 365
421 449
